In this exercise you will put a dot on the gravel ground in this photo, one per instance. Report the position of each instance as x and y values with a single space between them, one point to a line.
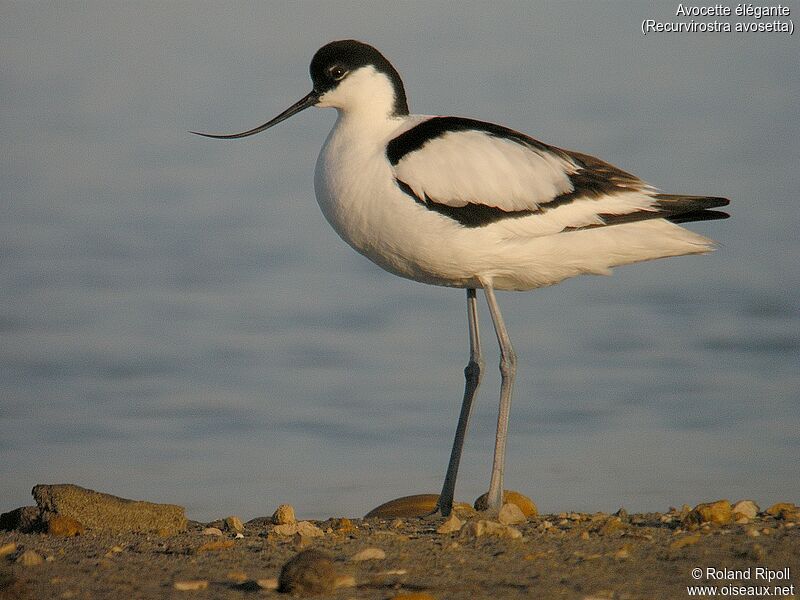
569 555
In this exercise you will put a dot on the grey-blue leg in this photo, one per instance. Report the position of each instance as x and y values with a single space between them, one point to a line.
472 375
508 368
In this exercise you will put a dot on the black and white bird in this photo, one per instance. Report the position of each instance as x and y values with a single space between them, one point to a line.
462 203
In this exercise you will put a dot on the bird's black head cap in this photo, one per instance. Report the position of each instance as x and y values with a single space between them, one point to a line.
335 60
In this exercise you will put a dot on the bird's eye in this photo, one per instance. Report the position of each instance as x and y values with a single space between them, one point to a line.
338 73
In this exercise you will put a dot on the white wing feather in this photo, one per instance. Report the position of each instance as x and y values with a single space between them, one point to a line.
474 167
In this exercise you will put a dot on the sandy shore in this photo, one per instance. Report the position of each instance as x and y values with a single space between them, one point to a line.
566 555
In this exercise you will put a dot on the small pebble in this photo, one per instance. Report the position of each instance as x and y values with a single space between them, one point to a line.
369 554
29 558
450 525
622 553
236 576
191 585
284 515
686 540
268 583
413 596
584 535
8 548
215 546
752 532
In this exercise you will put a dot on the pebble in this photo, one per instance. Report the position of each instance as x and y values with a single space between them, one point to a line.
191 585
524 503
480 527
236 576
234 524
413 596
29 558
8 548
284 515
611 525
305 528
511 514
718 513
622 553
342 525
369 554
310 572
584 535
212 531
268 583
215 546
450 525
686 540
746 508
753 532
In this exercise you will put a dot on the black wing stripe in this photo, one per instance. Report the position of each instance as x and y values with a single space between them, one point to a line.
419 135
469 215
674 208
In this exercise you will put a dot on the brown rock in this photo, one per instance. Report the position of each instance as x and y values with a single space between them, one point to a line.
191 585
418 505
745 508
784 510
718 513
524 503
511 514
234 524
64 526
310 572
284 515
107 513
304 528
480 527
450 525
413 596
215 546
611 525
342 525
29 558
686 540
7 549
26 519
368 554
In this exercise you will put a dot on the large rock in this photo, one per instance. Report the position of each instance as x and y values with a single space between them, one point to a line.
104 512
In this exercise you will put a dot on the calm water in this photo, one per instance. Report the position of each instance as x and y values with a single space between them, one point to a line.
178 322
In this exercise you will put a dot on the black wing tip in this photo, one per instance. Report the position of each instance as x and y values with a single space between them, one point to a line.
699 215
